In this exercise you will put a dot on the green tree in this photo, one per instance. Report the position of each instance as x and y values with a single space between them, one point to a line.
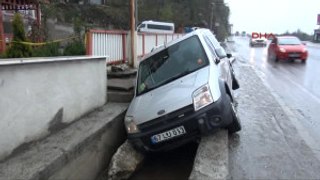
48 50
166 13
114 14
75 48
18 48
77 26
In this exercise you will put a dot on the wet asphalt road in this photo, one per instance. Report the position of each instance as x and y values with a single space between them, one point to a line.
273 144
297 84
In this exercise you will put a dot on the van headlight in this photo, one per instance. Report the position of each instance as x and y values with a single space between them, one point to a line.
202 97
131 126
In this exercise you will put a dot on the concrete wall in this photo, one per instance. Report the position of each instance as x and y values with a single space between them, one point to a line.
80 151
40 96
93 158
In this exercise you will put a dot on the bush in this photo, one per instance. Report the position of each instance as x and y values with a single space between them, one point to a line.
18 49
2 55
75 48
51 49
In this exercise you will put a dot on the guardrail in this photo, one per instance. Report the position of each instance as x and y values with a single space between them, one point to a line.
115 44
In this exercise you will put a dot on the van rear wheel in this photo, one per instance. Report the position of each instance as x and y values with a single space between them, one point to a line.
235 126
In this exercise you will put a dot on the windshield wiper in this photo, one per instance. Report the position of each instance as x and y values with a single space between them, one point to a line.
176 76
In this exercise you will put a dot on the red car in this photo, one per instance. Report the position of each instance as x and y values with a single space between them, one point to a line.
287 48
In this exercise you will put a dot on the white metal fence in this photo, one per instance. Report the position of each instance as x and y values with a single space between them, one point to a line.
115 44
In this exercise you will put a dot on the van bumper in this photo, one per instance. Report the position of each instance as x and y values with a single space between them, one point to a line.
196 123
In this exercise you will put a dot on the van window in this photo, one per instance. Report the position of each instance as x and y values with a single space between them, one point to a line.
171 63
162 27
211 47
214 43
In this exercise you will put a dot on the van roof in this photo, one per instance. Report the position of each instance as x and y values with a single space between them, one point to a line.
157 22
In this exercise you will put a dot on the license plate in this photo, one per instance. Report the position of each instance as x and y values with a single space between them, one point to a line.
168 134
294 55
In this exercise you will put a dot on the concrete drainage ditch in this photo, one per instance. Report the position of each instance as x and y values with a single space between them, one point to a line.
206 160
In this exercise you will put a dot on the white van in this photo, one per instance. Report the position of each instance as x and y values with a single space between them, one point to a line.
156 27
183 90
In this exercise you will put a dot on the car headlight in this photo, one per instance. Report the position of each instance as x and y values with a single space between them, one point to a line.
304 50
131 126
202 97
282 50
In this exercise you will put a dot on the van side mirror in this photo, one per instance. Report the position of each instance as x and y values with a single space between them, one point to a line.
304 43
229 55
217 60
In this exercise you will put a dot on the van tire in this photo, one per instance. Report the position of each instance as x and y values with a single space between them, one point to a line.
235 125
235 83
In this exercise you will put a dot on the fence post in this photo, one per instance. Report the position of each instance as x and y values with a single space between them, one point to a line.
89 43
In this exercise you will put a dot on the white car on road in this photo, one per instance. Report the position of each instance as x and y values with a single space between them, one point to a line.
258 42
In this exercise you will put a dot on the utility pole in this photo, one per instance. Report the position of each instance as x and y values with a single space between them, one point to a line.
132 32
136 14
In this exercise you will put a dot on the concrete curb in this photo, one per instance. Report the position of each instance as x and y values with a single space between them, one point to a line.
80 151
124 162
211 161
310 141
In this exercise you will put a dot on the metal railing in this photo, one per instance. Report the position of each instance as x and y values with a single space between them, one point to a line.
115 44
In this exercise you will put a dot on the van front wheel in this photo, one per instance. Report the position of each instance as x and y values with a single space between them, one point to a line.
235 126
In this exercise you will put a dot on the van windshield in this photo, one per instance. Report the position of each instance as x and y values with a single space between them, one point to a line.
142 26
171 63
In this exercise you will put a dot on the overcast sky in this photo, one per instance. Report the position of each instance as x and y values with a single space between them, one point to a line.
274 16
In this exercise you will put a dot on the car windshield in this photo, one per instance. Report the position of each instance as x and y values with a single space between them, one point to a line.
289 41
171 63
